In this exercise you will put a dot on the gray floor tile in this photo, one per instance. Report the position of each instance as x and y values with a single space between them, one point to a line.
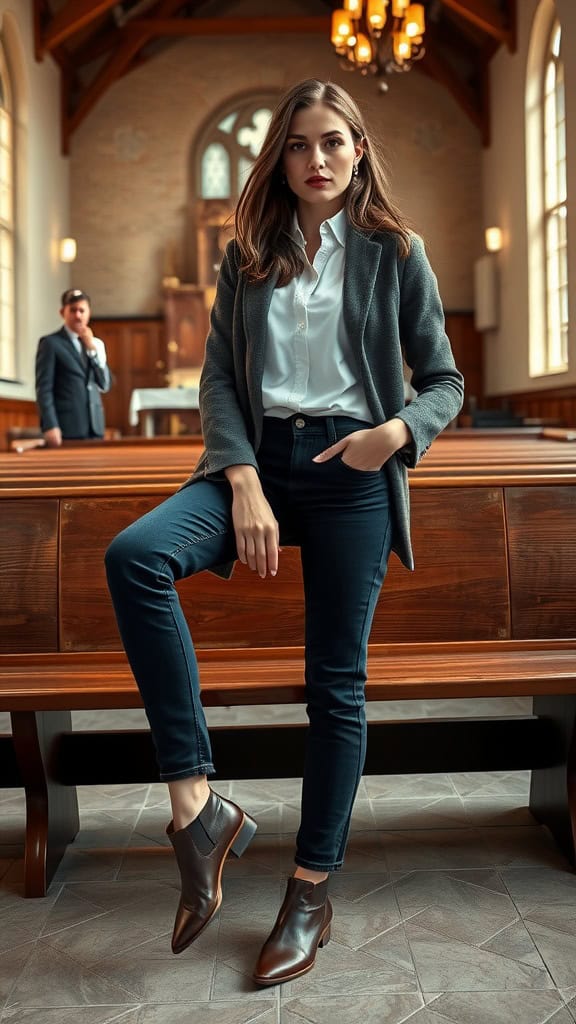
521 847
496 1007
24 920
515 941
453 906
491 783
232 982
472 893
553 929
451 966
386 1009
244 1012
342 972
73 1015
154 975
359 922
393 947
405 787
348 886
51 978
435 848
531 888
420 813
499 811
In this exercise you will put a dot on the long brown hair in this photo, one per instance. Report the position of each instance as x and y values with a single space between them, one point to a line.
265 210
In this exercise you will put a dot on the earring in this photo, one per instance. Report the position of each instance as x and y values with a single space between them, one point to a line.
355 171
283 179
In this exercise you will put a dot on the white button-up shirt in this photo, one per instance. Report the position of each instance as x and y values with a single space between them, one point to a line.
309 366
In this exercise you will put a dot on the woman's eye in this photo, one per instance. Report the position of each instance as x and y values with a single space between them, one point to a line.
333 143
296 146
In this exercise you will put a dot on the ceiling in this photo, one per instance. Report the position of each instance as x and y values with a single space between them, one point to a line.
96 42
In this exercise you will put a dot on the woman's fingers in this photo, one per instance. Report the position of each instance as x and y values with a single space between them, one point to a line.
258 549
330 452
256 529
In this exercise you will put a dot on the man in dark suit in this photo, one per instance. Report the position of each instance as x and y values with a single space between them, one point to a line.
71 374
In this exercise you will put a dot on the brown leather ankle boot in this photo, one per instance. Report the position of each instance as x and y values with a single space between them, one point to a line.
201 849
302 926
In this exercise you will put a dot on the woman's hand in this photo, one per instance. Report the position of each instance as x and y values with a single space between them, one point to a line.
368 450
255 527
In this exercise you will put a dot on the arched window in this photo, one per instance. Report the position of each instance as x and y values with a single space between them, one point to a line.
7 291
222 158
547 196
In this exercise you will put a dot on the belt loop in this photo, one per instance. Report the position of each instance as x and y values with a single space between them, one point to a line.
331 430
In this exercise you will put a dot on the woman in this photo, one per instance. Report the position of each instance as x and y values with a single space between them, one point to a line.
320 296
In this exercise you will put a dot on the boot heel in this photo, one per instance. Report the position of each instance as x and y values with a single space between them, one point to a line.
244 836
325 938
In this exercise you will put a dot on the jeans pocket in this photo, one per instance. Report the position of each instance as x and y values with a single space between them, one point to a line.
352 469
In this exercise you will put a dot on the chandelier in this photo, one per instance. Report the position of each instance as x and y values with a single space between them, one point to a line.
357 35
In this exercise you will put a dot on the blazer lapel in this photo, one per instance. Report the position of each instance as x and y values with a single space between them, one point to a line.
257 299
71 347
360 270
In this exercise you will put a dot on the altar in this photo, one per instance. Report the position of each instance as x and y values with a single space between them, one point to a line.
146 402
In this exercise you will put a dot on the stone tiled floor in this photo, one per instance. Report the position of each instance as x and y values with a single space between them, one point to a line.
454 906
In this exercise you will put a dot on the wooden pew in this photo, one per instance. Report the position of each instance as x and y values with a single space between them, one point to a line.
490 611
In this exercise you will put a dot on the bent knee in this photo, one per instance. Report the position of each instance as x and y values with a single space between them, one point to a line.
127 548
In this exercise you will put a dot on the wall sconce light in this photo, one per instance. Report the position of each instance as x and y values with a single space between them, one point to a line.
68 250
493 239
487 283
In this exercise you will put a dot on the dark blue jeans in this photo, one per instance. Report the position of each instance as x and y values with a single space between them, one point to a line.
340 519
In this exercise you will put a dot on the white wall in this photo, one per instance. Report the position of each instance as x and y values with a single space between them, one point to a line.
506 350
42 190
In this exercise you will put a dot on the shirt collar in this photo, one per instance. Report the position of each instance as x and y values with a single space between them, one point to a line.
71 334
336 225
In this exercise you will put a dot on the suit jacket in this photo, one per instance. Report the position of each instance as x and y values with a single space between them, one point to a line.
68 388
392 311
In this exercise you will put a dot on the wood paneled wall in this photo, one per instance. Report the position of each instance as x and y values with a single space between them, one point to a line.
136 355
551 404
466 344
15 412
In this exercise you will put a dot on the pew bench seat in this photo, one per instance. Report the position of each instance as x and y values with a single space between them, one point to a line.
47 757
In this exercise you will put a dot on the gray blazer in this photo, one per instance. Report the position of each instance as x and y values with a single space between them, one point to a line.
392 310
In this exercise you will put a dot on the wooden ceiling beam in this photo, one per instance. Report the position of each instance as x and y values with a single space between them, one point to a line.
131 38
155 27
75 15
108 37
485 17
132 41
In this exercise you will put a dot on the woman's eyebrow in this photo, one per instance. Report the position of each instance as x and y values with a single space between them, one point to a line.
335 131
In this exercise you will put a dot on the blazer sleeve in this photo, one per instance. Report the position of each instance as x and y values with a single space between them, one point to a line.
435 378
45 370
223 423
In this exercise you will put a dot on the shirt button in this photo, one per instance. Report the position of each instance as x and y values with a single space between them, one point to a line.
299 423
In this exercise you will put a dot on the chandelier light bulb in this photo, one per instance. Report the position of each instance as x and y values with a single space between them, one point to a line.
363 49
402 47
376 15
398 8
414 20
341 27
370 43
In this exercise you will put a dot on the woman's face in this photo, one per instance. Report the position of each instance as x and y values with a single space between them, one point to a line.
319 155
